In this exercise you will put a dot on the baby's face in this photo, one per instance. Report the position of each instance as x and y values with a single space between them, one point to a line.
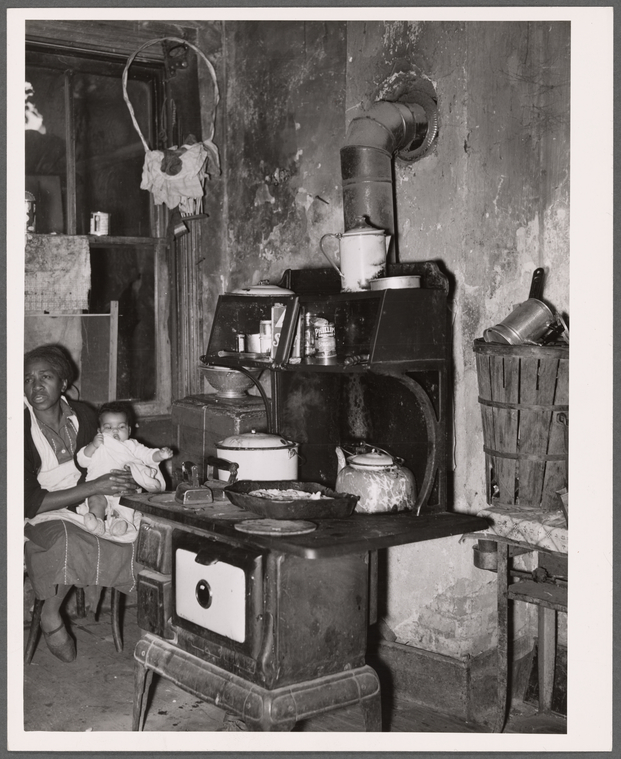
115 425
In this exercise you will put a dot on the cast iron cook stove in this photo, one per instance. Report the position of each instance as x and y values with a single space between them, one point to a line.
273 629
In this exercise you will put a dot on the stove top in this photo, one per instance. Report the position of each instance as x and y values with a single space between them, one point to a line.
357 533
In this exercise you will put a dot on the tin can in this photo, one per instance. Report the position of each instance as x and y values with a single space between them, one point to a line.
325 339
309 335
100 223
265 332
240 340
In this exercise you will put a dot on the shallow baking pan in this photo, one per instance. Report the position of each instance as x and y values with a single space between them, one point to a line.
332 506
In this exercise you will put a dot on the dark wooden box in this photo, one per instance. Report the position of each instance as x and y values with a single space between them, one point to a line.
201 421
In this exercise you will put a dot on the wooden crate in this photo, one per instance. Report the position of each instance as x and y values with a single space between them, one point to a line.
524 398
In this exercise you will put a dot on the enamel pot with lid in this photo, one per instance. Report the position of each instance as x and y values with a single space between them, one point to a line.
378 478
260 456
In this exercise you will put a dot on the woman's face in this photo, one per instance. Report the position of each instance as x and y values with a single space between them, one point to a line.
42 385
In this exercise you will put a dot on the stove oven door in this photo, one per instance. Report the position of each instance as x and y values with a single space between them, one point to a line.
217 595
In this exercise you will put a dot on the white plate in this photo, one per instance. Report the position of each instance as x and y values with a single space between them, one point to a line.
275 527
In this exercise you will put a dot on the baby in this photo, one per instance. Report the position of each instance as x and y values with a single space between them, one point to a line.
112 448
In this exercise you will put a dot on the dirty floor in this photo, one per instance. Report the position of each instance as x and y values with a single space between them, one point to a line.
62 697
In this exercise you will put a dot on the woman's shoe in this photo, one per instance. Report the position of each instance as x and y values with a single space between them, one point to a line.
94 524
60 643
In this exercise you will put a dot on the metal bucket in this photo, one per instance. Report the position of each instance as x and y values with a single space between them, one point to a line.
527 323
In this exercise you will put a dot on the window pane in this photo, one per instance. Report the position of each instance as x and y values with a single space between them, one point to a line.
109 154
46 176
127 275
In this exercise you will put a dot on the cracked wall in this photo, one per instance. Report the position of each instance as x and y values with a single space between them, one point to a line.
490 203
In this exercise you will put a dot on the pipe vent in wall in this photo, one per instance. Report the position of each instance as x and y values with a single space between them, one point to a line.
403 125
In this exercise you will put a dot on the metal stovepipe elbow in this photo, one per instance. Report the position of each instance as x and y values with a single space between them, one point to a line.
366 160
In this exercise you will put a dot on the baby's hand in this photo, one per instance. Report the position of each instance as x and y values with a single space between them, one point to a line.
98 440
166 453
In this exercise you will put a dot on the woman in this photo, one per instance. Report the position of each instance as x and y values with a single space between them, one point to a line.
59 552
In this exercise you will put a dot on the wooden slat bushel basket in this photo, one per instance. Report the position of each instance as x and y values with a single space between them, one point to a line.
524 399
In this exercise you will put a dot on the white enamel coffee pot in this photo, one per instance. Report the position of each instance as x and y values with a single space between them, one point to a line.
362 255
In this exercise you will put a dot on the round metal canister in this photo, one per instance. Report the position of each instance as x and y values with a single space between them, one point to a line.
527 323
486 554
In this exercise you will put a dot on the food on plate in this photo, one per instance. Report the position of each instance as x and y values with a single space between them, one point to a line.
288 494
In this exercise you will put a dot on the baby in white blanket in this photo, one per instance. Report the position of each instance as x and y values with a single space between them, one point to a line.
112 448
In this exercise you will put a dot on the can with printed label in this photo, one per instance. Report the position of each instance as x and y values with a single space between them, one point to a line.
325 339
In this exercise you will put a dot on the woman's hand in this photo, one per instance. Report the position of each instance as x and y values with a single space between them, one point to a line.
117 482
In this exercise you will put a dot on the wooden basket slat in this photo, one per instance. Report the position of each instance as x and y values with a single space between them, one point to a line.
556 476
505 389
531 434
483 363
538 385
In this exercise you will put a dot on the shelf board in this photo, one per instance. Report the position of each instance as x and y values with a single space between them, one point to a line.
540 593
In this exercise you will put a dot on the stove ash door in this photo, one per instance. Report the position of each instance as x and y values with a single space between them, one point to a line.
215 588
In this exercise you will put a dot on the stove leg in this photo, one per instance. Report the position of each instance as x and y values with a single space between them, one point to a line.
502 576
267 725
372 713
142 683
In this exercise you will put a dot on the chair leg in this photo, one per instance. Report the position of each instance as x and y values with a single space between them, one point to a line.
33 635
115 613
80 602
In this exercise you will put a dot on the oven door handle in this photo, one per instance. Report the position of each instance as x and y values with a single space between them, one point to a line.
213 552
210 555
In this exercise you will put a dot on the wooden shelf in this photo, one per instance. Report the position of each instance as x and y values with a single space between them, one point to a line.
540 593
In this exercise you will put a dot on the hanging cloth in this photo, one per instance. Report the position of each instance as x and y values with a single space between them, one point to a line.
176 176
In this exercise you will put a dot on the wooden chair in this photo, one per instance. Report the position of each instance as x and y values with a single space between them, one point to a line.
35 624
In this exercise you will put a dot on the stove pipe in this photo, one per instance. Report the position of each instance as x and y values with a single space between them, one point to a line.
366 159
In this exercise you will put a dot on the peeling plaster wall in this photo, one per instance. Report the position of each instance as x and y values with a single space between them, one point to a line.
490 203
285 103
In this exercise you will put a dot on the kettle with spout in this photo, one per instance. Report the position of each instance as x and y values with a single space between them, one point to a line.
362 255
380 480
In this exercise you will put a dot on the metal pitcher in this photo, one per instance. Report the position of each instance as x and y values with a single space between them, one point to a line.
362 255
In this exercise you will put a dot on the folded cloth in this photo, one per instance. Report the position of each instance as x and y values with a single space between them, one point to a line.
77 520
187 183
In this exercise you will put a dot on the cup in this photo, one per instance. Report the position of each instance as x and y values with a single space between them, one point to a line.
253 343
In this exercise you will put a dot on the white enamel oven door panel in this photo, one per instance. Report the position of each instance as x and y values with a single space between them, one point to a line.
215 587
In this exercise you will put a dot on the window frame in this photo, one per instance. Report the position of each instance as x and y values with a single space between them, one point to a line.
48 54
